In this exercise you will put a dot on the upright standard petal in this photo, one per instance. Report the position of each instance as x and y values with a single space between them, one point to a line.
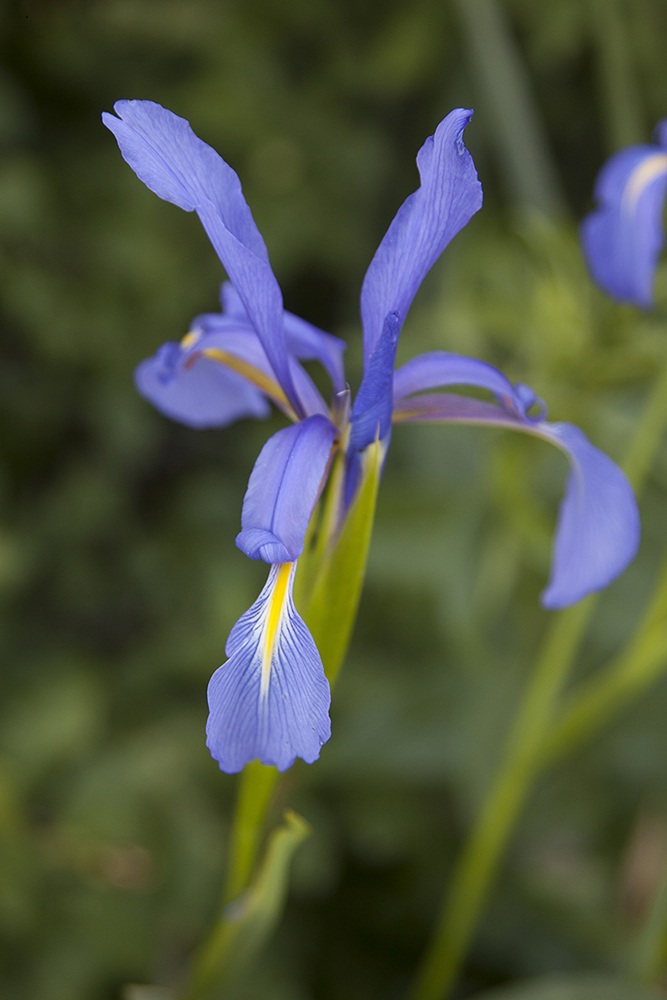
371 413
284 487
449 195
623 237
173 162
597 534
270 700
305 341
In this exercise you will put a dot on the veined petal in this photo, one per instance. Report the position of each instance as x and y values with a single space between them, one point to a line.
200 393
449 195
623 237
371 413
173 162
442 368
597 534
598 524
270 700
309 343
284 487
232 341
304 341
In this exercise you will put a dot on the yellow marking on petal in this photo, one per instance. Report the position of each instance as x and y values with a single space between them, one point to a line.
641 177
276 605
254 375
190 339
399 416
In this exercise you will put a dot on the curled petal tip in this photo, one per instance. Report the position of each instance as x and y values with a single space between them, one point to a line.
448 196
598 525
258 543
284 487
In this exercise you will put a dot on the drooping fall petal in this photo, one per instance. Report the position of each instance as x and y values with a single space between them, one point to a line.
270 700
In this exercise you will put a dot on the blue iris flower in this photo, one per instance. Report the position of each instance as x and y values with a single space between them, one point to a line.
270 699
623 237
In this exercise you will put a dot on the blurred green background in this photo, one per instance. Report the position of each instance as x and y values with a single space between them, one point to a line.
119 578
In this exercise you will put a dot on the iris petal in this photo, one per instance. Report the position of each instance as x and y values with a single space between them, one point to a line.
173 162
284 487
598 523
270 700
440 368
597 534
449 195
305 341
185 385
233 334
371 413
623 237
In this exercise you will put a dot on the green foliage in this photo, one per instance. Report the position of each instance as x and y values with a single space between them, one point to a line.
578 988
246 923
119 579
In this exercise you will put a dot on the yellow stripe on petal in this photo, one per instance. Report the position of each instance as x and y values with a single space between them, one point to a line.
641 177
254 375
273 618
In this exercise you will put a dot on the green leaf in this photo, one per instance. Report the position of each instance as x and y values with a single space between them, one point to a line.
248 921
582 987
330 607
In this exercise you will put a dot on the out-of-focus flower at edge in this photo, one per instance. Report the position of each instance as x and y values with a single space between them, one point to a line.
623 237
270 699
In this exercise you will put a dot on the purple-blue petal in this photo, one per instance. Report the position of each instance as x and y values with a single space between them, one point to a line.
270 700
304 341
173 162
372 410
598 523
235 335
198 391
284 487
623 237
442 368
449 195
597 534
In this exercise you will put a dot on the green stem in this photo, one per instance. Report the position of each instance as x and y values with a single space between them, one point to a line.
616 75
505 97
524 755
246 924
479 861
329 601
256 785
648 433
594 702
650 949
